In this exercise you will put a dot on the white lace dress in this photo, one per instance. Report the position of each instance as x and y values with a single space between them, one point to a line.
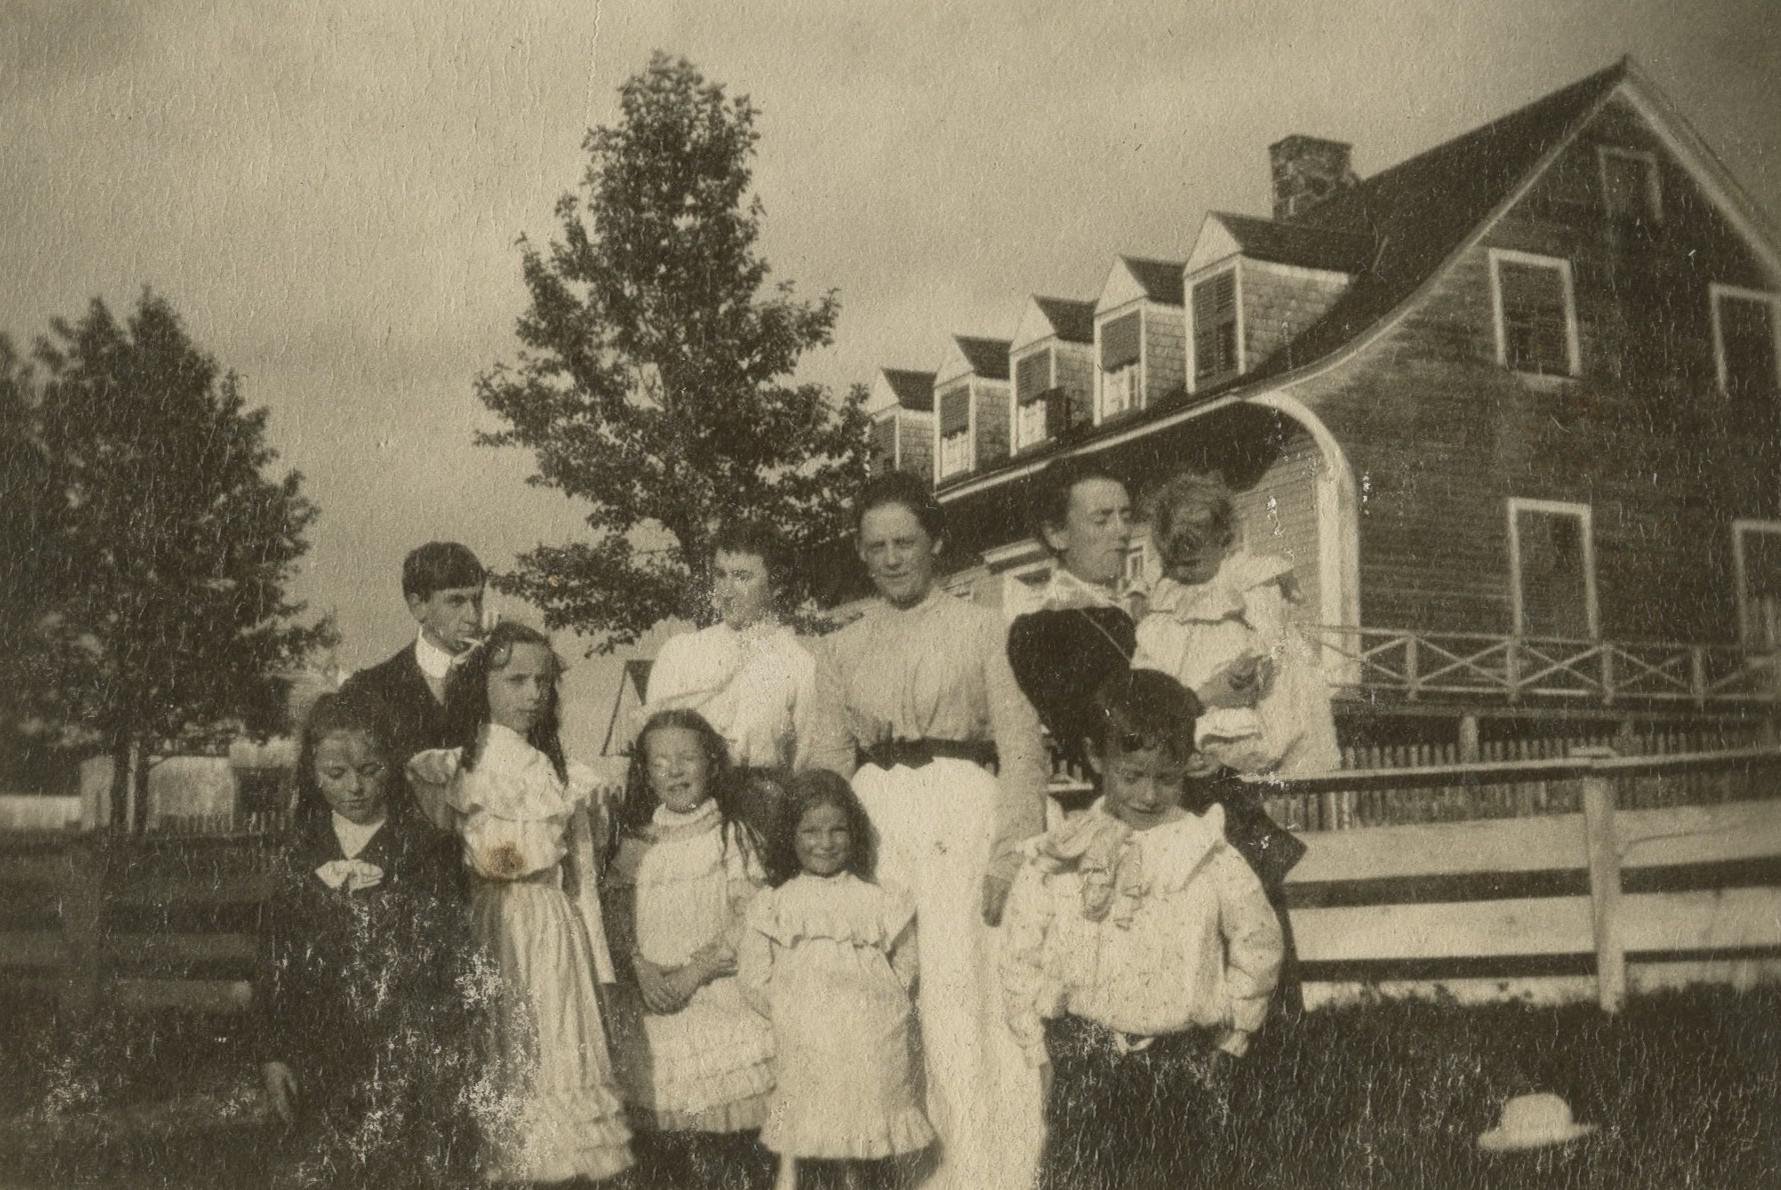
546 1101
830 960
680 888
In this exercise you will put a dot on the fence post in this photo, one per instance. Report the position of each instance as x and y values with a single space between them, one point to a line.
82 916
1468 739
1603 849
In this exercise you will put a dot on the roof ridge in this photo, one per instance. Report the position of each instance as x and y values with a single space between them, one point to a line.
1568 91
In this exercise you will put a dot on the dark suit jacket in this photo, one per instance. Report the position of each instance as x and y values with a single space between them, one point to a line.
416 718
347 982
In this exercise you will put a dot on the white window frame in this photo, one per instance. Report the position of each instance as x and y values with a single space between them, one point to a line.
1519 505
1573 355
1235 268
1742 526
954 455
1717 291
1135 564
1137 369
1021 441
1654 200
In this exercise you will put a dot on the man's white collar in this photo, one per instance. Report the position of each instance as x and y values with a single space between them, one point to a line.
434 661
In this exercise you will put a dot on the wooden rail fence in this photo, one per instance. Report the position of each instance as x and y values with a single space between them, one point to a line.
1586 875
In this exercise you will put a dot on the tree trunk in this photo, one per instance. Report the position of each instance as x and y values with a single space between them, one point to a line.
120 783
139 819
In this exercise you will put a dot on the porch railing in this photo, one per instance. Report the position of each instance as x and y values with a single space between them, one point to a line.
1419 664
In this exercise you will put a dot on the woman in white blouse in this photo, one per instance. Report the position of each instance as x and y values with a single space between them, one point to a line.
918 703
746 674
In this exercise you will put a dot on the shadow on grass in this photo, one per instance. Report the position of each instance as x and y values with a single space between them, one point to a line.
1686 1088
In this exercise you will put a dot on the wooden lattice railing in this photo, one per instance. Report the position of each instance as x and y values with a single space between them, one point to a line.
1418 664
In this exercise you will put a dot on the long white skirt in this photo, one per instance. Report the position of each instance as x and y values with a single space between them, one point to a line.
936 825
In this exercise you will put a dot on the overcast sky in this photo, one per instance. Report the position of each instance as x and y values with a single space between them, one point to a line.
330 192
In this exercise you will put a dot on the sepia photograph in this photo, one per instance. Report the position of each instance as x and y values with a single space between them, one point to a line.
997 595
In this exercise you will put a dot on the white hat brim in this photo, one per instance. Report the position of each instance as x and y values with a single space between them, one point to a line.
1498 1140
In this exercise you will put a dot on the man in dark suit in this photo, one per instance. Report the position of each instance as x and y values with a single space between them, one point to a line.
442 582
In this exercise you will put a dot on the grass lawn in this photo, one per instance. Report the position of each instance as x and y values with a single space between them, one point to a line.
1684 1086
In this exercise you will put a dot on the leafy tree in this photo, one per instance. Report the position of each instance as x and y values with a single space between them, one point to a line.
655 374
151 603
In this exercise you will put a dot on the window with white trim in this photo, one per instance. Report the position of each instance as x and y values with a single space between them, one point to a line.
1552 569
1136 556
1631 190
1032 383
1756 564
1746 350
884 444
1122 351
1214 306
954 428
1536 313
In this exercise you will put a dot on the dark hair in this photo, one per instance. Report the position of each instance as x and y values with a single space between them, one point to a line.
439 566
1054 486
334 713
808 789
721 778
467 695
900 487
1176 499
763 542
1145 708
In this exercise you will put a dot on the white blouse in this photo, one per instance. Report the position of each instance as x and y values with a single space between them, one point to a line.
1147 932
757 687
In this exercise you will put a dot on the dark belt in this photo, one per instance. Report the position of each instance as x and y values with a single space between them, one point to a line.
915 754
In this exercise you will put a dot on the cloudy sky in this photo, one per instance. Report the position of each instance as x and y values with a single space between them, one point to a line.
330 192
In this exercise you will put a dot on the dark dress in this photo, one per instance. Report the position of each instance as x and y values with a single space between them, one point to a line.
1061 657
357 992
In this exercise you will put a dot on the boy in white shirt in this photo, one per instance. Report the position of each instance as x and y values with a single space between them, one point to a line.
1139 956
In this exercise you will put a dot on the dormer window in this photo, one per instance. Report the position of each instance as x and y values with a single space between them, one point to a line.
1032 384
1745 348
1536 313
1121 351
1631 192
955 431
1215 329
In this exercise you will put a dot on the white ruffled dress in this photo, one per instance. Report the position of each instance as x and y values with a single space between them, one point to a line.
817 958
681 888
546 1101
1246 609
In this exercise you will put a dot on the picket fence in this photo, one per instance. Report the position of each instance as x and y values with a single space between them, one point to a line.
1586 875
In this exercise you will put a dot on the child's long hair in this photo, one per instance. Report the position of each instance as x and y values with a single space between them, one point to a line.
467 695
635 812
331 714
807 790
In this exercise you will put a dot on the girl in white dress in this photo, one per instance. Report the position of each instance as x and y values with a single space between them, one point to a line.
693 1058
829 957
547 1106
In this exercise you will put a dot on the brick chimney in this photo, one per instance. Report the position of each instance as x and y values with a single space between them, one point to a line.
1306 171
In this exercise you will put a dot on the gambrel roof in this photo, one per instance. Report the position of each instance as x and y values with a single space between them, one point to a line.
1416 214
